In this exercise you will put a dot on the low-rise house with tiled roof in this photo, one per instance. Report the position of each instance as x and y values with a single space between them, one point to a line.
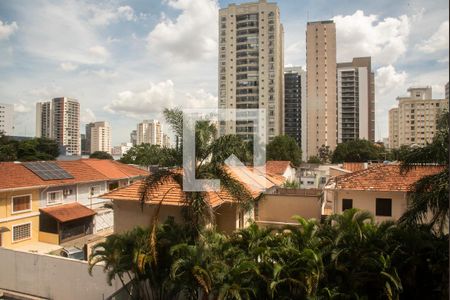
382 190
33 196
228 217
282 168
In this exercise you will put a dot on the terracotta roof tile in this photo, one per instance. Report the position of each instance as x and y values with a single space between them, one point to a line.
384 178
68 212
170 193
16 175
277 167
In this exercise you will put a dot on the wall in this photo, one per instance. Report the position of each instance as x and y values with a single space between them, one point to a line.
366 200
128 214
281 208
226 218
66 199
52 277
84 190
9 219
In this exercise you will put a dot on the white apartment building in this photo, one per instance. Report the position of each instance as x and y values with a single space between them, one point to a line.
355 100
149 132
251 63
6 119
100 137
121 150
166 141
59 119
414 121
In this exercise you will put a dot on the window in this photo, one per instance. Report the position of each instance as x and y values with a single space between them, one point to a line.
21 232
384 207
95 190
21 203
347 204
54 197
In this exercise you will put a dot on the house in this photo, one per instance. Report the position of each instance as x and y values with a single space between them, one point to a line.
315 176
128 212
57 201
381 190
282 168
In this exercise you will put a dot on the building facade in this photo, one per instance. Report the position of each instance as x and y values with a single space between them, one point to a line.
321 86
59 119
100 137
355 100
149 132
414 121
121 150
251 63
7 119
295 104
133 137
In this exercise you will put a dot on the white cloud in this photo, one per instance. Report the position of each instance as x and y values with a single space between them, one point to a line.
200 99
99 53
107 15
105 74
192 36
152 100
46 92
6 30
68 66
22 107
365 35
438 41
88 116
387 79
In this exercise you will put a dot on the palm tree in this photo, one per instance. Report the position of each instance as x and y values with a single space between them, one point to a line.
430 194
211 153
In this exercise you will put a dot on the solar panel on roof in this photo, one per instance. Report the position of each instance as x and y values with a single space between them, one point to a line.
47 170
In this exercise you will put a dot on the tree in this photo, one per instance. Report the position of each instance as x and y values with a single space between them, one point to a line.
101 155
314 160
28 150
430 193
152 155
325 154
284 147
357 151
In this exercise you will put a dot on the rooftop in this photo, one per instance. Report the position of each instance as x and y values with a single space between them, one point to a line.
385 178
277 167
14 175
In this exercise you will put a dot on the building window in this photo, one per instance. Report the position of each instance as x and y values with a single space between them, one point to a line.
54 197
384 207
21 232
21 203
347 204
95 190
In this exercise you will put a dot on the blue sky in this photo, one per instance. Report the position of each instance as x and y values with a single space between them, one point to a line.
127 60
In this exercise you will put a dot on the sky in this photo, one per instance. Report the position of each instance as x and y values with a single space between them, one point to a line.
125 61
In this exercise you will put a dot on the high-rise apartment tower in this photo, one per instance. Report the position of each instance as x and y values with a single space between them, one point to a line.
6 119
251 63
100 138
59 119
321 86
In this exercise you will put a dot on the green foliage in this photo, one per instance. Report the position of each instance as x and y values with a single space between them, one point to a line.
284 148
101 155
148 155
314 160
357 151
291 185
430 193
28 150
347 256
325 154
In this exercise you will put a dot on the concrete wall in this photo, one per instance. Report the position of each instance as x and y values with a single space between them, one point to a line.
128 214
274 209
52 277
366 200
226 218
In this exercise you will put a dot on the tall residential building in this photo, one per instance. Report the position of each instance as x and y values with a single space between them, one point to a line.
133 137
414 121
355 100
59 119
88 128
100 137
251 63
295 105
166 141
321 86
7 119
149 132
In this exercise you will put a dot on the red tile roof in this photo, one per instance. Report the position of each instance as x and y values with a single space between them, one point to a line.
170 193
68 212
16 175
384 178
277 167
